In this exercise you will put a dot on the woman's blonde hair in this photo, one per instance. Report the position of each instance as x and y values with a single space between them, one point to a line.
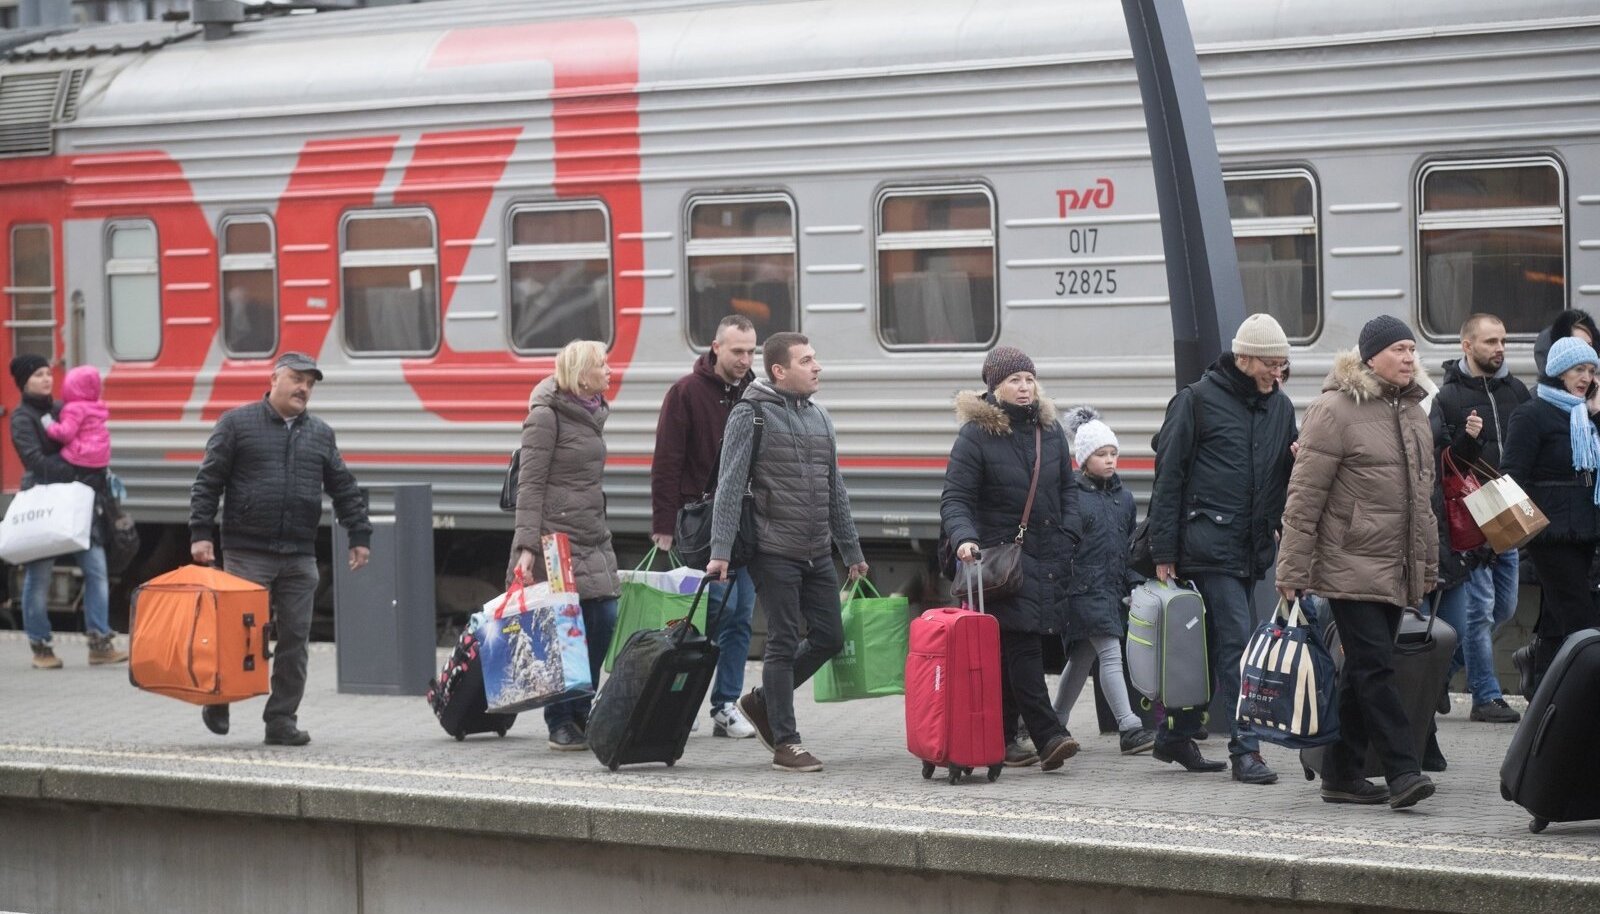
574 359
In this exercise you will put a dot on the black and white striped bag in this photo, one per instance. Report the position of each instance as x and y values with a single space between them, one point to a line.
1287 683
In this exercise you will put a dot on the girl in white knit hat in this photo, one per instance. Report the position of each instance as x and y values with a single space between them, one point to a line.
1096 615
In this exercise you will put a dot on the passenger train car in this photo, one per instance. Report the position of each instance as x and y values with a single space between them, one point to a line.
433 198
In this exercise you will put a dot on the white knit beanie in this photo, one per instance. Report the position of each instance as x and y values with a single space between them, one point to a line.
1088 433
1262 337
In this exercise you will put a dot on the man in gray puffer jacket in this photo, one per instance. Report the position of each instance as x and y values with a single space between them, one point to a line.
801 512
273 460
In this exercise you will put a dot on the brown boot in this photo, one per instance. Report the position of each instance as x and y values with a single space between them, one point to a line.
44 657
102 650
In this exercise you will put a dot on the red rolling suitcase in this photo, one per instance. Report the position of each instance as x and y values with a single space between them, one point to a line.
953 691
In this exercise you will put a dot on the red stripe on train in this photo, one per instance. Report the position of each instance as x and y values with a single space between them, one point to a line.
638 460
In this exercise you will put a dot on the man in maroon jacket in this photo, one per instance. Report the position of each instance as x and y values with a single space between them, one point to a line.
688 441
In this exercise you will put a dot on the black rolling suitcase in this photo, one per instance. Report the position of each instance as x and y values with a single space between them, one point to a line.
457 695
1422 651
645 710
1549 767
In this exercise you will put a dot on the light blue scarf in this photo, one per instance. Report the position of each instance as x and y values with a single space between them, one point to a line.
1585 440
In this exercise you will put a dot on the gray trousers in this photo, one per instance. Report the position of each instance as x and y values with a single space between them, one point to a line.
796 594
292 582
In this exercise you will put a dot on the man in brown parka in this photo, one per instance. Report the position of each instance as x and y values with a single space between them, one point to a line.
1359 530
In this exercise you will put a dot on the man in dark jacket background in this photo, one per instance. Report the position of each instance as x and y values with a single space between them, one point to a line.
272 460
1470 415
1222 475
694 414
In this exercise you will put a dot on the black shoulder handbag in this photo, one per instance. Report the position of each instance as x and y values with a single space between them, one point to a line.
1001 575
508 489
691 536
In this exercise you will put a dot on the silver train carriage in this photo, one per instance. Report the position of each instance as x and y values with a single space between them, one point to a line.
433 198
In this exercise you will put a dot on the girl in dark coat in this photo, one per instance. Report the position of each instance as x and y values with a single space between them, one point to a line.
1552 450
1101 580
985 491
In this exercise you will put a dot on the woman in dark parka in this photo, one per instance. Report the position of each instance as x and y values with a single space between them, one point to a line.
985 491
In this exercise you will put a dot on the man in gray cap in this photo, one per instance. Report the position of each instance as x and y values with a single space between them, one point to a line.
273 460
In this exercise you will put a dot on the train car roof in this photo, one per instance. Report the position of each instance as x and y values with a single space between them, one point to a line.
391 56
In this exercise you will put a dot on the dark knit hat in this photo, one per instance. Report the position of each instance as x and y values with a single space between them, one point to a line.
23 367
1003 362
1382 332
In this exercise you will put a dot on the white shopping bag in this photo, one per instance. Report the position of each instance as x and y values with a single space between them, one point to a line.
46 521
1508 517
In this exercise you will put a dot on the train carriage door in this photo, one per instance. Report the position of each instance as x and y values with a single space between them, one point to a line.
30 322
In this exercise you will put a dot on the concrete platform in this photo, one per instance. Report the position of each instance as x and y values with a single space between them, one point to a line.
82 747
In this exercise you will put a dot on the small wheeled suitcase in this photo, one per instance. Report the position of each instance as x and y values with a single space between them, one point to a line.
457 696
200 635
953 712
1548 767
1422 651
1167 645
645 711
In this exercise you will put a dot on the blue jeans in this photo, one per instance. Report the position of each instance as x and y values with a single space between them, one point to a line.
96 595
1453 611
1492 602
733 634
599 621
1230 621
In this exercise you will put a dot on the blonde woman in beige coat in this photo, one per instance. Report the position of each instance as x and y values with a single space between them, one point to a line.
558 491
1359 531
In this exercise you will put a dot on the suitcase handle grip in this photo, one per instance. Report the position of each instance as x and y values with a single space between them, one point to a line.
1544 729
682 634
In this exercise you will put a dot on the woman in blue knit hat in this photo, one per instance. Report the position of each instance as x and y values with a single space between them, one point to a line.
1552 450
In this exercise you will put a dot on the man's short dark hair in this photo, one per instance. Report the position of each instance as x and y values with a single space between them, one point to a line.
1469 327
776 349
736 322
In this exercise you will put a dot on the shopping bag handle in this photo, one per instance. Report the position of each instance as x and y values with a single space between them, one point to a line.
517 588
855 588
649 559
1295 617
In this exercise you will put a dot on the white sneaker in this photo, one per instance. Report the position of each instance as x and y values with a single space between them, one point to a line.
727 721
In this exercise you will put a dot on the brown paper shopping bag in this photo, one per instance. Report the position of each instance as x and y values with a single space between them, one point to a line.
1505 513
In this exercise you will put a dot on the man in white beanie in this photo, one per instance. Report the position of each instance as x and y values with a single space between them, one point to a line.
1222 475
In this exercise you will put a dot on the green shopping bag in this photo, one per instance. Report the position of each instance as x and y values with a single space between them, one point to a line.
650 599
877 636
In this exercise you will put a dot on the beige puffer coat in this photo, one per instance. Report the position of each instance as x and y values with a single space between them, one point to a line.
1359 523
558 491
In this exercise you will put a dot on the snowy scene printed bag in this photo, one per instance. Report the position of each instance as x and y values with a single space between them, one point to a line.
533 649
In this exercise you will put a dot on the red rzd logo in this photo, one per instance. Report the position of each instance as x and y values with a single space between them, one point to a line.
1100 196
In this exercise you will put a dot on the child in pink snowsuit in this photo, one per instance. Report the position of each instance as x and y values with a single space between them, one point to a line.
82 427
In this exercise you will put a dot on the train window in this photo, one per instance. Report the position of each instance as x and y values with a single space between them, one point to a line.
1275 235
936 268
1492 237
389 266
33 320
560 267
249 286
133 291
741 260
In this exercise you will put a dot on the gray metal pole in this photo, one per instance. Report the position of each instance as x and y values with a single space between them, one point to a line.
1202 266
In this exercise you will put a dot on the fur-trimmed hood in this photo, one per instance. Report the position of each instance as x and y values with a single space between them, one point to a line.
1351 376
973 406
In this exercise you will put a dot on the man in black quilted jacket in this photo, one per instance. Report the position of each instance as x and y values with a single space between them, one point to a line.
272 460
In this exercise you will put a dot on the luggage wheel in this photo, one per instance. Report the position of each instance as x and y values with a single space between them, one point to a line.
994 773
1537 825
927 770
461 737
614 766
957 773
500 732
671 762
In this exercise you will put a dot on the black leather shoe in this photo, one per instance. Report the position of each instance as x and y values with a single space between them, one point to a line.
1409 789
1251 769
1057 751
1495 712
287 735
1361 793
1432 755
215 718
1522 659
1188 755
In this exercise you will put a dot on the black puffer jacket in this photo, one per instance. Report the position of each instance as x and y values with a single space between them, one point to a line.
986 487
39 453
1100 576
1538 455
1494 398
273 474
1219 514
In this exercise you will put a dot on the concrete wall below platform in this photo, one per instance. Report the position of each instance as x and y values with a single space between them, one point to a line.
58 857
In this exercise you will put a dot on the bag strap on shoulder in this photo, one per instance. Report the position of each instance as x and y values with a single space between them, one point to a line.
1033 484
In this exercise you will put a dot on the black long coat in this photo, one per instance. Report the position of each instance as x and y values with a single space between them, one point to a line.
1100 576
1538 455
985 489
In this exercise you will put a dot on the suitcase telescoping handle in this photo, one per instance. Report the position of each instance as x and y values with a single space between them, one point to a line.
712 617
975 595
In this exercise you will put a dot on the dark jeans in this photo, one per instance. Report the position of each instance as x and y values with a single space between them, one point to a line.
1230 621
796 594
292 582
1370 711
1567 603
599 621
1024 691
733 634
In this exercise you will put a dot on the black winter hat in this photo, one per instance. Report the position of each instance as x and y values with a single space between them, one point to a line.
23 367
1382 332
1004 362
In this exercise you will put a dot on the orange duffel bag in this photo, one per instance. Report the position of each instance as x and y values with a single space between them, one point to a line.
198 635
